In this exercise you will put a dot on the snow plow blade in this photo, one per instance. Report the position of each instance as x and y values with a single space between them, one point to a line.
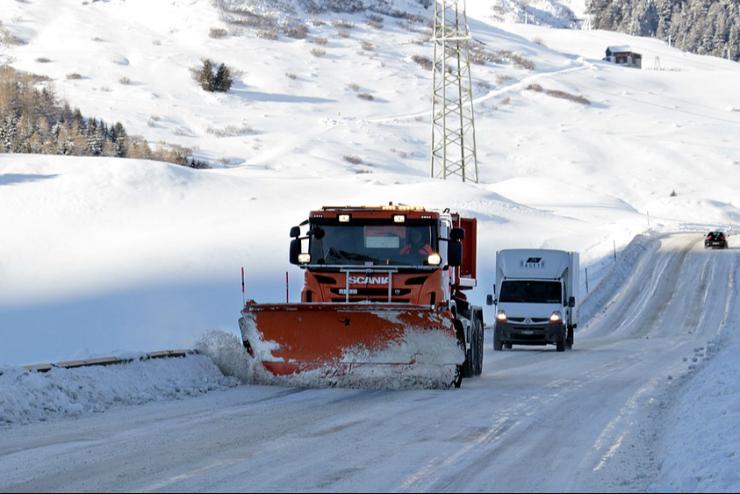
353 345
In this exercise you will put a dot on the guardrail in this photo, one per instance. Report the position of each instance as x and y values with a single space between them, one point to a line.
104 361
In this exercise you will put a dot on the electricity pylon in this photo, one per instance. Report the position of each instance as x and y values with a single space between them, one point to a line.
453 122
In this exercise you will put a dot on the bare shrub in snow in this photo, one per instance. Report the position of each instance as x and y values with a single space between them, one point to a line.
232 131
538 41
673 193
319 41
43 60
503 78
74 76
521 62
296 31
424 62
353 87
269 35
342 24
355 160
291 75
367 46
125 81
317 22
218 33
555 93
375 21
344 34
98 39
366 96
480 55
318 52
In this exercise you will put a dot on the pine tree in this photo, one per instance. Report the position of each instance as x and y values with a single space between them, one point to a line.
223 80
205 77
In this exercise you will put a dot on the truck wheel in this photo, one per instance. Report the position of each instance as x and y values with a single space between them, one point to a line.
469 364
479 347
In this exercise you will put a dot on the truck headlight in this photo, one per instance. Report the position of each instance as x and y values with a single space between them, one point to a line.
434 259
556 317
304 258
501 316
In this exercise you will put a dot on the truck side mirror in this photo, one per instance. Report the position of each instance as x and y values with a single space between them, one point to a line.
572 302
490 300
295 250
457 234
454 253
317 232
295 232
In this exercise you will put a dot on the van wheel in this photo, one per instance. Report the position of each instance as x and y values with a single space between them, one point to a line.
569 339
497 344
560 345
508 346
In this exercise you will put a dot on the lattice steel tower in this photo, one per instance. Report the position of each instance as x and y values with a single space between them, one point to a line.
453 122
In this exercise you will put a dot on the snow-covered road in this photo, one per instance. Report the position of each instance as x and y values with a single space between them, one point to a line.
536 419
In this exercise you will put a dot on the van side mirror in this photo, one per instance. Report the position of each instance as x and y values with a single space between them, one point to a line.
295 250
572 302
490 300
457 234
295 232
454 253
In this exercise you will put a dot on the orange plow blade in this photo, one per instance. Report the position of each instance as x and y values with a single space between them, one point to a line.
352 345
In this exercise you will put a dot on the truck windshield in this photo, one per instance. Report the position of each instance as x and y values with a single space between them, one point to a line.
373 244
531 292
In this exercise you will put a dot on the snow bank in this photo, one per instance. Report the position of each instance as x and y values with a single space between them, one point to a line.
31 396
702 439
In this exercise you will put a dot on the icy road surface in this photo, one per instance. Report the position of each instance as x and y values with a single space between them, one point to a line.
535 420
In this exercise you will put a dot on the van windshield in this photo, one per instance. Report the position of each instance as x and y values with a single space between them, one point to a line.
531 292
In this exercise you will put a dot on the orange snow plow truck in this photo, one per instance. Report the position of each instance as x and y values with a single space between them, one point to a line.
383 302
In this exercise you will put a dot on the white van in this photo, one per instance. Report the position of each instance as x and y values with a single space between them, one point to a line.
535 298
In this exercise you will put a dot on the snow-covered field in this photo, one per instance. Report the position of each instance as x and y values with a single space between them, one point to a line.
102 256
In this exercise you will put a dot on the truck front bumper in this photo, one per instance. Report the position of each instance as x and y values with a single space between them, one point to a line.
532 334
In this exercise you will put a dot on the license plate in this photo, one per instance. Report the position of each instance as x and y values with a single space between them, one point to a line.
528 332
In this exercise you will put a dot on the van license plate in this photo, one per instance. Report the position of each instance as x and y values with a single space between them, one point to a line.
528 332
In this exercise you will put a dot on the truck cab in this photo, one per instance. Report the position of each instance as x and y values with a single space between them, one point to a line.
536 301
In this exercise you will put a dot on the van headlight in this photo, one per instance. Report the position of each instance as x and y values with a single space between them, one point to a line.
501 316
304 258
556 318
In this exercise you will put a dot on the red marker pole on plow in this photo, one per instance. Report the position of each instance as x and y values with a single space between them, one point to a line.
244 301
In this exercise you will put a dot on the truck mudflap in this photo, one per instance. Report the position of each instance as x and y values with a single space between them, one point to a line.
353 345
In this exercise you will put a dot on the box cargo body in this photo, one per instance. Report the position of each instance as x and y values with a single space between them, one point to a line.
536 297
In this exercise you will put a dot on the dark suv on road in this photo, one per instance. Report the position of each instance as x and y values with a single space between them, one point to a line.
715 240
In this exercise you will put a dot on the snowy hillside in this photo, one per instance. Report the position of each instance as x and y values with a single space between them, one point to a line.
109 255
